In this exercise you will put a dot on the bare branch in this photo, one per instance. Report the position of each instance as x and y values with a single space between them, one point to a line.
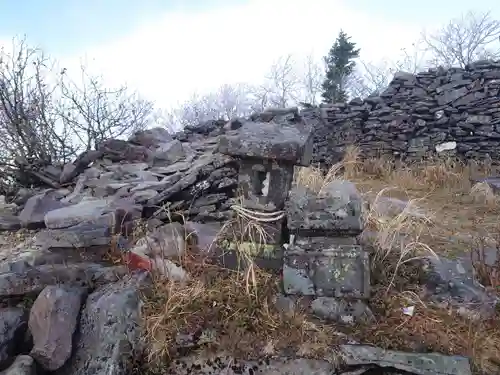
29 130
282 82
227 102
472 37
96 113
312 80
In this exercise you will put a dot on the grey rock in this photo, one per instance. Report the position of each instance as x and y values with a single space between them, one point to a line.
223 363
341 310
151 138
72 215
13 325
34 211
87 234
35 279
93 211
108 340
414 363
22 365
166 241
453 281
52 323
168 152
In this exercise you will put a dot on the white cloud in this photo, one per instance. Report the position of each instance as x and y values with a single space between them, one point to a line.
178 53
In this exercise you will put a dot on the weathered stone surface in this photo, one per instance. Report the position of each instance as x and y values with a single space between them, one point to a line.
326 266
110 331
222 363
335 211
52 323
13 325
452 281
34 211
22 365
413 363
342 311
78 236
37 278
270 140
151 138
9 222
120 150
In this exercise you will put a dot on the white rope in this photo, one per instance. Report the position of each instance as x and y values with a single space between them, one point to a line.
263 217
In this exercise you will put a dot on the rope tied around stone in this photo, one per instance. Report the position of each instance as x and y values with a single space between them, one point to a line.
263 217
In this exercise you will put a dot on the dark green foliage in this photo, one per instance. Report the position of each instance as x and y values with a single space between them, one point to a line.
339 66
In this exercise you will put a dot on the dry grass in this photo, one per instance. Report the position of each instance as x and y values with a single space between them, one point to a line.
436 212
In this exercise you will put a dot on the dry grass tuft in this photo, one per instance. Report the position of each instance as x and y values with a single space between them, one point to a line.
244 321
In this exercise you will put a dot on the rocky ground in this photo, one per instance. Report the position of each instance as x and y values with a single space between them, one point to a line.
111 265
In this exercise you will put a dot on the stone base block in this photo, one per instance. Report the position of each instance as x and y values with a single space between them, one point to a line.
324 266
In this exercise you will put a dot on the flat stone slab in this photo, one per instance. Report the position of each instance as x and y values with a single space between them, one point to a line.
269 140
413 363
335 211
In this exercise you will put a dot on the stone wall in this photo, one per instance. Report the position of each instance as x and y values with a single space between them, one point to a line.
455 109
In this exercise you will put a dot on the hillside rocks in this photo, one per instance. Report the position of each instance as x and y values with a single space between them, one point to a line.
455 110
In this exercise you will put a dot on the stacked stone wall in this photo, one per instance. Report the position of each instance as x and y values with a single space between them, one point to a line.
439 111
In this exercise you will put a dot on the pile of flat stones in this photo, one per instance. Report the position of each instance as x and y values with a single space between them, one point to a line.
453 111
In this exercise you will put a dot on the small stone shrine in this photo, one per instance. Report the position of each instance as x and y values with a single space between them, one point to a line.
268 150
323 258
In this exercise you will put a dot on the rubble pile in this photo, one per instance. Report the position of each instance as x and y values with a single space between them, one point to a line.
454 111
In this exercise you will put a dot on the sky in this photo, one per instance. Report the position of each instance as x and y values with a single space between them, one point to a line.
169 49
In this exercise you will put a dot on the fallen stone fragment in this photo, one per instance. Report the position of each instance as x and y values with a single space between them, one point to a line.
34 211
37 278
13 325
22 365
108 340
83 235
151 138
228 365
413 363
452 282
52 323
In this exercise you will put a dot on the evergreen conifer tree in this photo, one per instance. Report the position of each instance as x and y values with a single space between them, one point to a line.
339 66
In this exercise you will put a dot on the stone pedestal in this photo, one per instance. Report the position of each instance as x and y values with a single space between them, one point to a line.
323 258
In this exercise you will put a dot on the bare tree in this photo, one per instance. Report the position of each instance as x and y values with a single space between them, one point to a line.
312 80
369 79
29 130
372 79
471 37
227 102
282 82
95 113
